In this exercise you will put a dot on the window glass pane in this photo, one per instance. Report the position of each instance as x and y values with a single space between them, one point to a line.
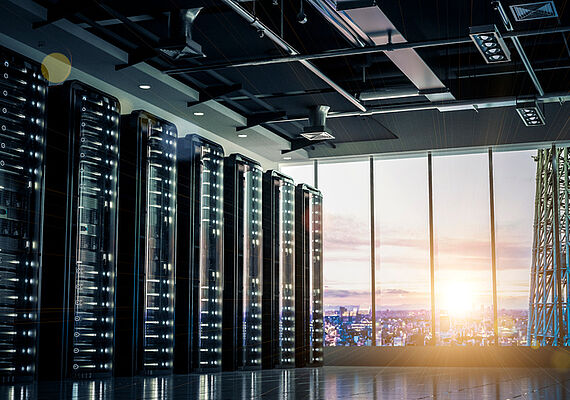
514 179
402 252
463 284
300 173
346 242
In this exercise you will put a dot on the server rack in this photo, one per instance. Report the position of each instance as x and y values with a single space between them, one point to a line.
278 270
243 263
22 149
199 272
78 285
147 235
309 313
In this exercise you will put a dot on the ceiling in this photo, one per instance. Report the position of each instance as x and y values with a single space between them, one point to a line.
462 100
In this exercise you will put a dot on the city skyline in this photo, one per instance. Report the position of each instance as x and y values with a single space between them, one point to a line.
461 228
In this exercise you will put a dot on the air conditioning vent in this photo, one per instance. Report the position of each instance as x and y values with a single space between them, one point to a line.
532 11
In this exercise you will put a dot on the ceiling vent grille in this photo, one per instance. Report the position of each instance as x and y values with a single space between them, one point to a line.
532 11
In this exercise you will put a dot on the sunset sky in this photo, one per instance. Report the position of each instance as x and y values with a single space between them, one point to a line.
461 225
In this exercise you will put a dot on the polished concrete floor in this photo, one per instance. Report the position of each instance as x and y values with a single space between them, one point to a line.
321 383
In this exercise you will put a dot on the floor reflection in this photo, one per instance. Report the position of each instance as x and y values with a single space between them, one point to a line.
312 384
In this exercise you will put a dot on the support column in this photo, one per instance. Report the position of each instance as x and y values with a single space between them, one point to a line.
372 252
493 248
431 249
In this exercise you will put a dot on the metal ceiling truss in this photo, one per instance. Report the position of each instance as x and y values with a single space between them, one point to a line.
549 286
355 51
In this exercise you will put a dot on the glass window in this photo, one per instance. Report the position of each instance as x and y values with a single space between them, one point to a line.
402 252
300 173
463 280
514 179
346 245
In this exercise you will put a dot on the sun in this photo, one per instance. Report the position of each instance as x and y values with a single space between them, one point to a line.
458 299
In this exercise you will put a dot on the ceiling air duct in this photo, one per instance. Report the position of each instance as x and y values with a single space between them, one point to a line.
180 44
317 129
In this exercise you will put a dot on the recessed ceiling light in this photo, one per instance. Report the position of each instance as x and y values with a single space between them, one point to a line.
198 113
287 158
144 86
242 135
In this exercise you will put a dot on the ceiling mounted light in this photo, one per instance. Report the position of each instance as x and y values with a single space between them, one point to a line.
317 129
530 113
198 113
144 86
242 135
287 158
490 44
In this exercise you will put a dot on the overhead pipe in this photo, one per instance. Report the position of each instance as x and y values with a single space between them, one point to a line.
253 21
475 105
356 51
518 47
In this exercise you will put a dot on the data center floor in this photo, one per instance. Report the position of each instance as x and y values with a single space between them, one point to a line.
323 383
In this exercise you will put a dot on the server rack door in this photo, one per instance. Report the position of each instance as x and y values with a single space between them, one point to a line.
278 273
146 270
316 313
243 266
78 286
199 273
22 148
308 274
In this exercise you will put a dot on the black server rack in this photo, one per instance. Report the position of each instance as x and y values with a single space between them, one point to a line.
147 235
199 271
278 270
80 245
22 149
309 312
243 263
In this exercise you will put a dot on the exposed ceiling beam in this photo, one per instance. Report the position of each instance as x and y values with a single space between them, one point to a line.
213 92
290 50
356 51
474 105
261 118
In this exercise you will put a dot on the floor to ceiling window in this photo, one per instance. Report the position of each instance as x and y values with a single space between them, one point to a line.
463 287
346 252
463 279
402 252
514 176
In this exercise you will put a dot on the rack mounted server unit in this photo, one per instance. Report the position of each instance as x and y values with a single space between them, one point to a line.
309 332
243 263
147 235
80 249
278 270
199 271
22 149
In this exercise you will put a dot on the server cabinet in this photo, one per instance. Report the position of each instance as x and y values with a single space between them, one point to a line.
309 313
199 272
80 245
22 148
147 235
278 270
243 263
